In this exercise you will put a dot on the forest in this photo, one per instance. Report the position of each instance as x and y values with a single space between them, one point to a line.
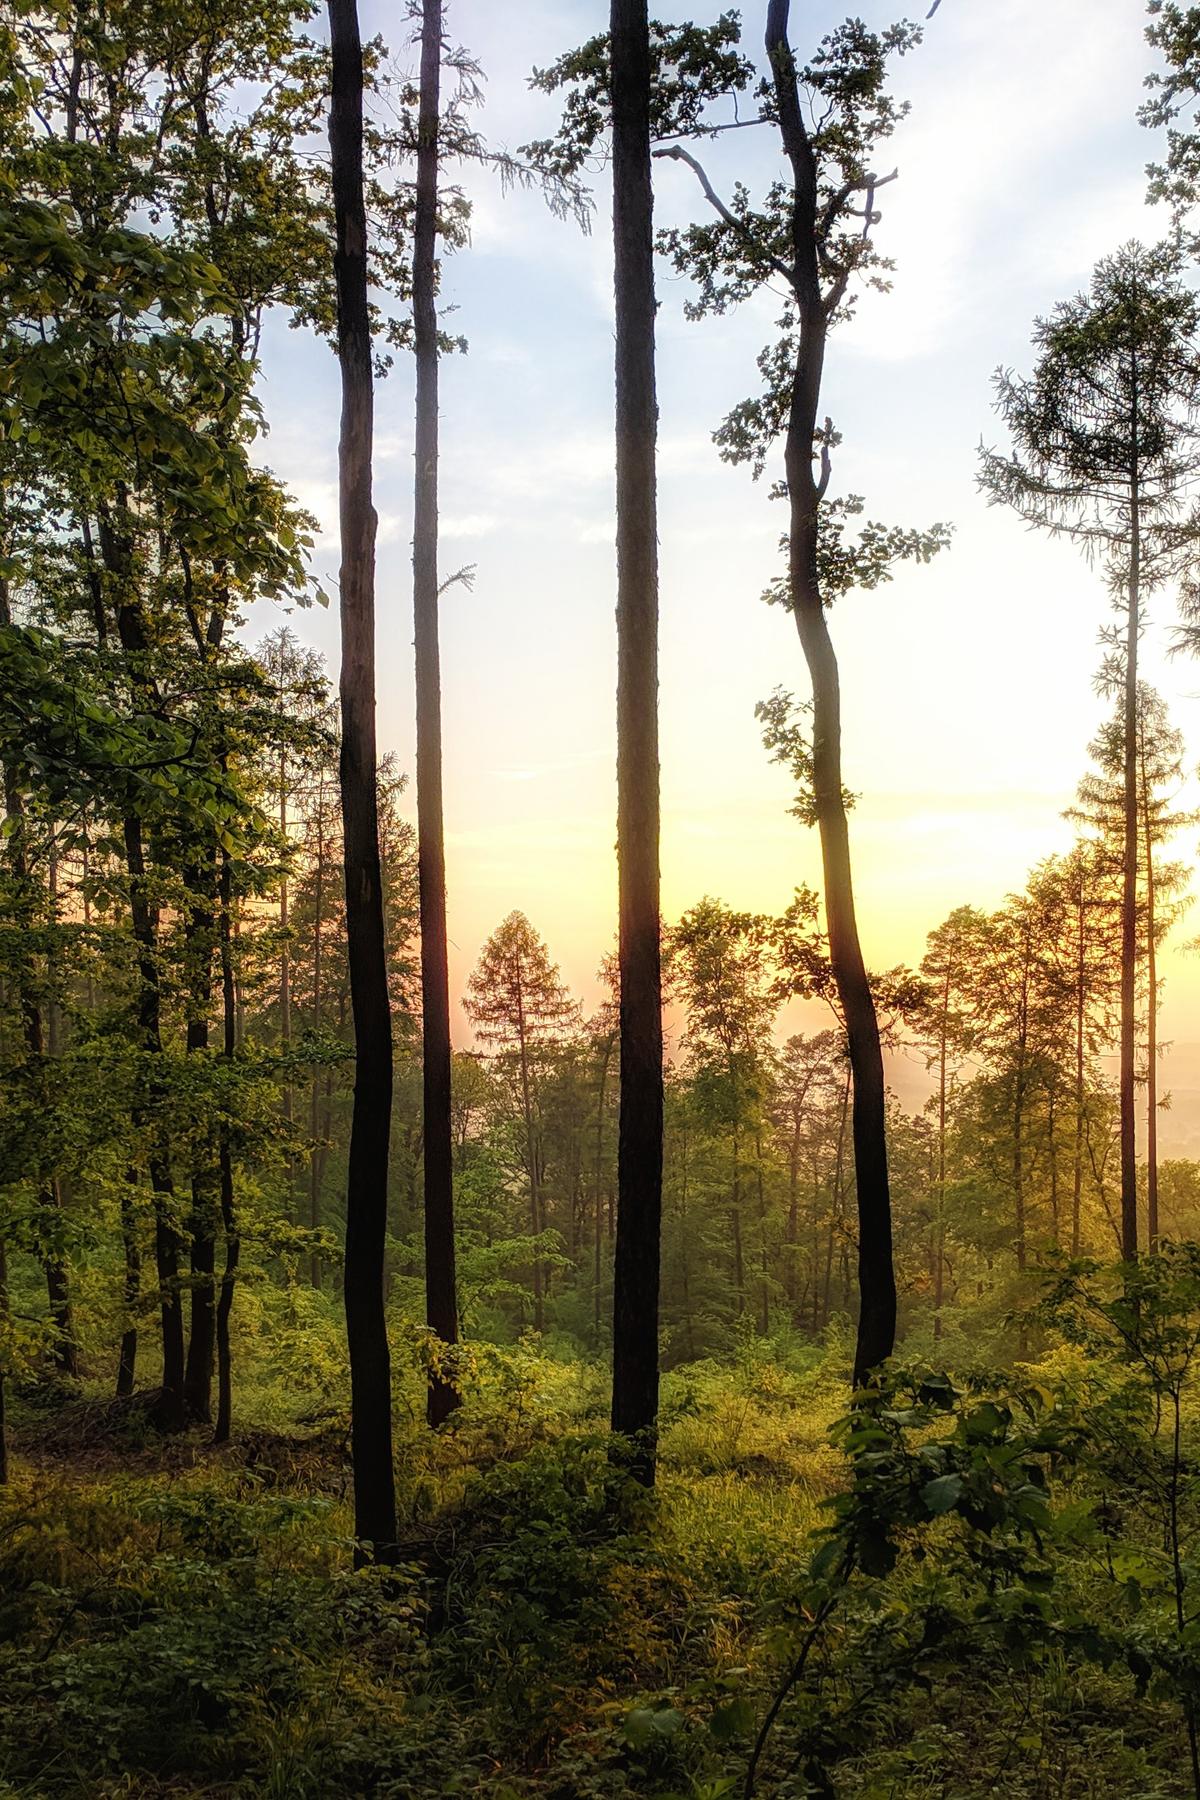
761 1366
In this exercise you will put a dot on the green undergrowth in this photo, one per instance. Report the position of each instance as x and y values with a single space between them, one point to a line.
188 1621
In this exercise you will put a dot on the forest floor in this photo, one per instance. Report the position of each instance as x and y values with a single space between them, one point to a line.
177 1619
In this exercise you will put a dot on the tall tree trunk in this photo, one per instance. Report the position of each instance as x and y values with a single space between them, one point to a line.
198 1369
166 1233
367 1178
315 1158
131 1287
441 1291
876 1276
287 1106
117 556
764 1318
792 1272
1080 1027
1151 1011
598 1189
939 1223
58 1280
224 1421
640 1141
735 1226
1129 1207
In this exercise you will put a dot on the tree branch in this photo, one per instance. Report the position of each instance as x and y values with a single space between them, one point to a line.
719 206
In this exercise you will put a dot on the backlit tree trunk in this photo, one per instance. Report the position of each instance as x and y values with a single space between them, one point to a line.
876 1277
441 1299
367 1179
640 1139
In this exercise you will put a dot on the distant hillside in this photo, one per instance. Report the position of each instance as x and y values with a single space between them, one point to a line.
1179 1076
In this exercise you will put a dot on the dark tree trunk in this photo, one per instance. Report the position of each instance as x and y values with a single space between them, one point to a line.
639 1168
198 1369
116 553
316 1159
367 1180
132 1287
441 1293
598 1190
876 1275
640 1135
166 1233
224 1422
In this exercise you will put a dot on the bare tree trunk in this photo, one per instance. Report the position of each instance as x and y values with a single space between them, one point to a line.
735 1227
116 554
939 1223
198 1369
876 1276
1129 1207
441 1291
367 1179
598 1189
315 1162
1080 1024
224 1422
1151 1015
287 1106
640 1146
131 1287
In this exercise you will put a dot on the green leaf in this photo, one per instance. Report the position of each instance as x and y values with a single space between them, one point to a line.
941 1494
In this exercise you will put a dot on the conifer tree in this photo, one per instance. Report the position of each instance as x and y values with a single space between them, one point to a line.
1104 451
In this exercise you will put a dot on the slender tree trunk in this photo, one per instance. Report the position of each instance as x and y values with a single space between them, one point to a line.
1080 1027
367 1179
131 1287
640 1145
198 1369
598 1189
792 1271
764 1316
58 1279
116 554
166 1233
939 1223
1129 1207
224 1421
441 1293
316 1160
285 987
876 1276
1151 1013
735 1227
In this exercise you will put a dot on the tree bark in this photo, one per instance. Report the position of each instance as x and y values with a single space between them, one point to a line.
640 1131
367 1178
441 1289
131 1287
198 1369
876 1276
224 1420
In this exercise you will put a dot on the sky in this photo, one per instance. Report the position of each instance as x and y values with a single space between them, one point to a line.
967 685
